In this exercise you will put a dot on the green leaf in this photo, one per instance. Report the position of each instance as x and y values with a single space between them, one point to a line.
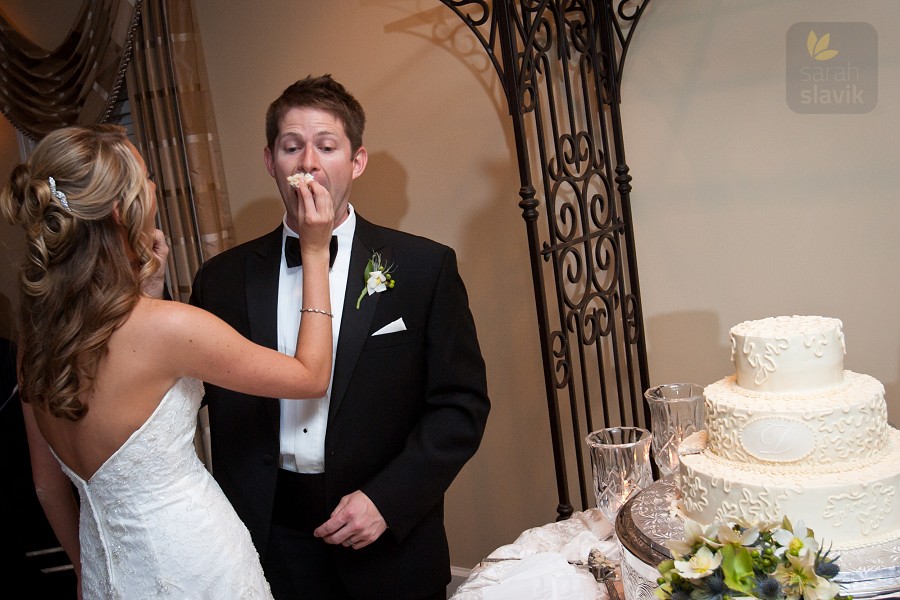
737 566
370 266
786 524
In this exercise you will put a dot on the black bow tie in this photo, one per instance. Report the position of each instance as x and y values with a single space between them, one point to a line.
292 251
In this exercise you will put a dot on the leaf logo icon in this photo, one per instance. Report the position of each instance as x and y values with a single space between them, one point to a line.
818 47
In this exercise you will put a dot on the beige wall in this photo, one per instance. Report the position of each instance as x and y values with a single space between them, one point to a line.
742 208
745 209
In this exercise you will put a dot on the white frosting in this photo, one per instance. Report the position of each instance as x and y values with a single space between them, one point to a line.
793 434
855 506
828 428
694 443
787 354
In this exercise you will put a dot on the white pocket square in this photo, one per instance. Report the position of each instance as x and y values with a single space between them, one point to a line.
392 327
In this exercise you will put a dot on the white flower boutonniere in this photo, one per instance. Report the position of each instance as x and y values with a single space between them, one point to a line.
377 276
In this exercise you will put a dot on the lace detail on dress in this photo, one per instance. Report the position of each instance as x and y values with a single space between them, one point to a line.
155 524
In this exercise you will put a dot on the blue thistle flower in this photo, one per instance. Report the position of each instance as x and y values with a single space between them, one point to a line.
680 594
768 588
827 569
714 588
826 566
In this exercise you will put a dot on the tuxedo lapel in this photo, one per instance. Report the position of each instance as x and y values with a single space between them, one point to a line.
355 323
261 291
261 274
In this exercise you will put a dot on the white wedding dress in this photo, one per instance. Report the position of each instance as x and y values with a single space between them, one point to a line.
155 524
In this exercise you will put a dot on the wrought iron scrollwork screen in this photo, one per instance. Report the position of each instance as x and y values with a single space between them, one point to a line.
560 64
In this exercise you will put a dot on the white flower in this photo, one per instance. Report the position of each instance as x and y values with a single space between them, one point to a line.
798 576
378 277
740 550
824 589
693 534
792 543
377 282
727 535
701 564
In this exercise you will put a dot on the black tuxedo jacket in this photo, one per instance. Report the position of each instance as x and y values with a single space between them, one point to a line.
407 409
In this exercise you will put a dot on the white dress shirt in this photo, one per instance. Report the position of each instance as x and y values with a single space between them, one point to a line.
303 422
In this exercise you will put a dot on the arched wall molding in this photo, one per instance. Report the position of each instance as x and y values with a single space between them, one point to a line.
560 63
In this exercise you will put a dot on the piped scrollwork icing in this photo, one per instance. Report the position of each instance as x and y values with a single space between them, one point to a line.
868 505
832 428
763 506
764 360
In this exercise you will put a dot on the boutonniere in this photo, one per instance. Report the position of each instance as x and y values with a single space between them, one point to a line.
378 277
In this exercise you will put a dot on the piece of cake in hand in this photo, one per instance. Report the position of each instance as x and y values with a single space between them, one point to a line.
300 178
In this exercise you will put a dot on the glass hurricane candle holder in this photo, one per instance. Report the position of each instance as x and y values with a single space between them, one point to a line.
620 462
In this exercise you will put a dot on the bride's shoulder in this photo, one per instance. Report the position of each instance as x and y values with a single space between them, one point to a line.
178 332
175 321
158 317
165 311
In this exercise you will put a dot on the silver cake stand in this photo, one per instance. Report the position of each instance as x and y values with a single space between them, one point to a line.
646 521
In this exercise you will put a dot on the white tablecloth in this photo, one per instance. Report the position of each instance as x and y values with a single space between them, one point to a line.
539 563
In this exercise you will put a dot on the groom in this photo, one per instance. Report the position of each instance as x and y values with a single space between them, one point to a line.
344 495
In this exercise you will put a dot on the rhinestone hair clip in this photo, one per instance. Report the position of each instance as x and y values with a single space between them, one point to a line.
61 196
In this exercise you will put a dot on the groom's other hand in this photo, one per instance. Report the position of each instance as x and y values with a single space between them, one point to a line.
355 523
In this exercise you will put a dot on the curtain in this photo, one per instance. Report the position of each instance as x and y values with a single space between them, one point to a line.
78 82
176 131
149 47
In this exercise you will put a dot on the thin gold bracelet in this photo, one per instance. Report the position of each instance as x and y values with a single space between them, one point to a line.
318 310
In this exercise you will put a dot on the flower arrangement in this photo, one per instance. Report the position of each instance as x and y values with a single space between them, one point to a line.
377 276
773 561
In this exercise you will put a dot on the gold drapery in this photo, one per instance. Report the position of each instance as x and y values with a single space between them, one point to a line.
176 131
153 45
75 84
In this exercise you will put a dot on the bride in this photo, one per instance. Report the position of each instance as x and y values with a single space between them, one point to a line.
111 375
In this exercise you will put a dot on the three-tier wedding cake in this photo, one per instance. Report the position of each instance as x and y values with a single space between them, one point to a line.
793 434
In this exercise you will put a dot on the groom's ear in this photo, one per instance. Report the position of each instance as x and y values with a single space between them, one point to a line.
269 160
360 160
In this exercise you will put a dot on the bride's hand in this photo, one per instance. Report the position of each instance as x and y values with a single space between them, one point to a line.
317 208
155 284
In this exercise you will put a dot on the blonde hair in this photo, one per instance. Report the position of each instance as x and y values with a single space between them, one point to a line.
77 282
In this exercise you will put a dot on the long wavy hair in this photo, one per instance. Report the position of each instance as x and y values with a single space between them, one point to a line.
78 283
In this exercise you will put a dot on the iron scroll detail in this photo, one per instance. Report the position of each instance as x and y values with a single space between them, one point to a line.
560 65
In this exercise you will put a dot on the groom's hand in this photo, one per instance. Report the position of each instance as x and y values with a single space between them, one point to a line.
355 523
